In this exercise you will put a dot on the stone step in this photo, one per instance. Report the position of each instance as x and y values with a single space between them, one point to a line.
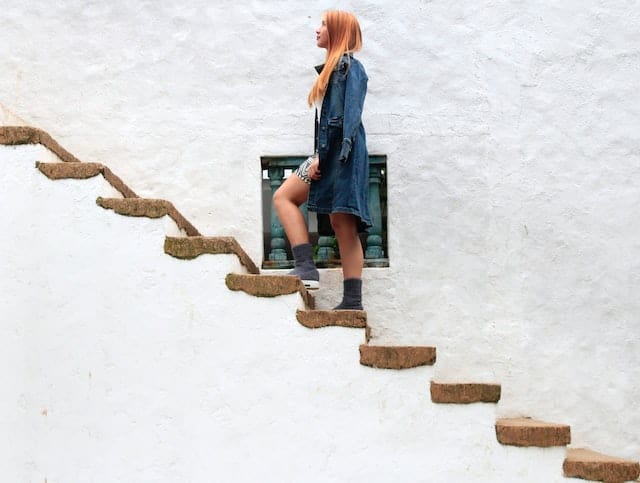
15 135
314 319
149 208
190 247
269 286
78 170
592 466
73 170
529 432
464 393
397 357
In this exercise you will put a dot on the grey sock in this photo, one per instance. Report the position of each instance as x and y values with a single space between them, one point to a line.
352 296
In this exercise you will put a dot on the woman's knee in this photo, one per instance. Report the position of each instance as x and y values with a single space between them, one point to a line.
343 224
282 197
294 191
279 198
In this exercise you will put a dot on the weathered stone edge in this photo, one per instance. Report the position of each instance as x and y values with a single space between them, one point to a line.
15 135
78 170
367 333
150 208
397 357
269 286
528 432
190 247
69 170
117 183
464 393
589 465
315 319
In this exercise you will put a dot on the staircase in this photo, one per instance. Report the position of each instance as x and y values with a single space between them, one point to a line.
519 435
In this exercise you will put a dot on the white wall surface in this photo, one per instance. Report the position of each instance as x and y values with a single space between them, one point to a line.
513 150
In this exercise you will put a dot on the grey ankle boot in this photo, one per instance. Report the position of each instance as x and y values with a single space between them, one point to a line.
352 297
304 266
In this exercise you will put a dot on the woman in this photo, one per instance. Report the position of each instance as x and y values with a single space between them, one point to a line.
334 181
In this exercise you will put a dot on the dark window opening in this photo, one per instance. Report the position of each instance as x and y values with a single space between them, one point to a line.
277 250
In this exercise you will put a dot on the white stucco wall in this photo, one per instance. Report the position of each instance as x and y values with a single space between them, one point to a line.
513 152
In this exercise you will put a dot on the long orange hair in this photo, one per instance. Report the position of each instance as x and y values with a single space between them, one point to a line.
344 36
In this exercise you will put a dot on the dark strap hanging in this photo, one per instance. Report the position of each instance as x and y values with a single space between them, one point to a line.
315 137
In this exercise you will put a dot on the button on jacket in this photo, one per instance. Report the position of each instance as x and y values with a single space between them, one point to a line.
342 146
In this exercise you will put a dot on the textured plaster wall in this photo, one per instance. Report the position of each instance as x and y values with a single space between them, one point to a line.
513 150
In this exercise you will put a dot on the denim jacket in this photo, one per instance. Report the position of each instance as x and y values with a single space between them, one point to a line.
342 148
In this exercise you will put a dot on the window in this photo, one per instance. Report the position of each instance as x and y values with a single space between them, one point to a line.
277 251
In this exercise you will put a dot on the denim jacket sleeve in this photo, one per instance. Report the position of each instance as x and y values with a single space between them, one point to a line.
355 92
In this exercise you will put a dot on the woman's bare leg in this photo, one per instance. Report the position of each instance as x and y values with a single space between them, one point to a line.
345 227
346 230
287 201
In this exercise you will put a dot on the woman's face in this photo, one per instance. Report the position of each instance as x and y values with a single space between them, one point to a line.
322 35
